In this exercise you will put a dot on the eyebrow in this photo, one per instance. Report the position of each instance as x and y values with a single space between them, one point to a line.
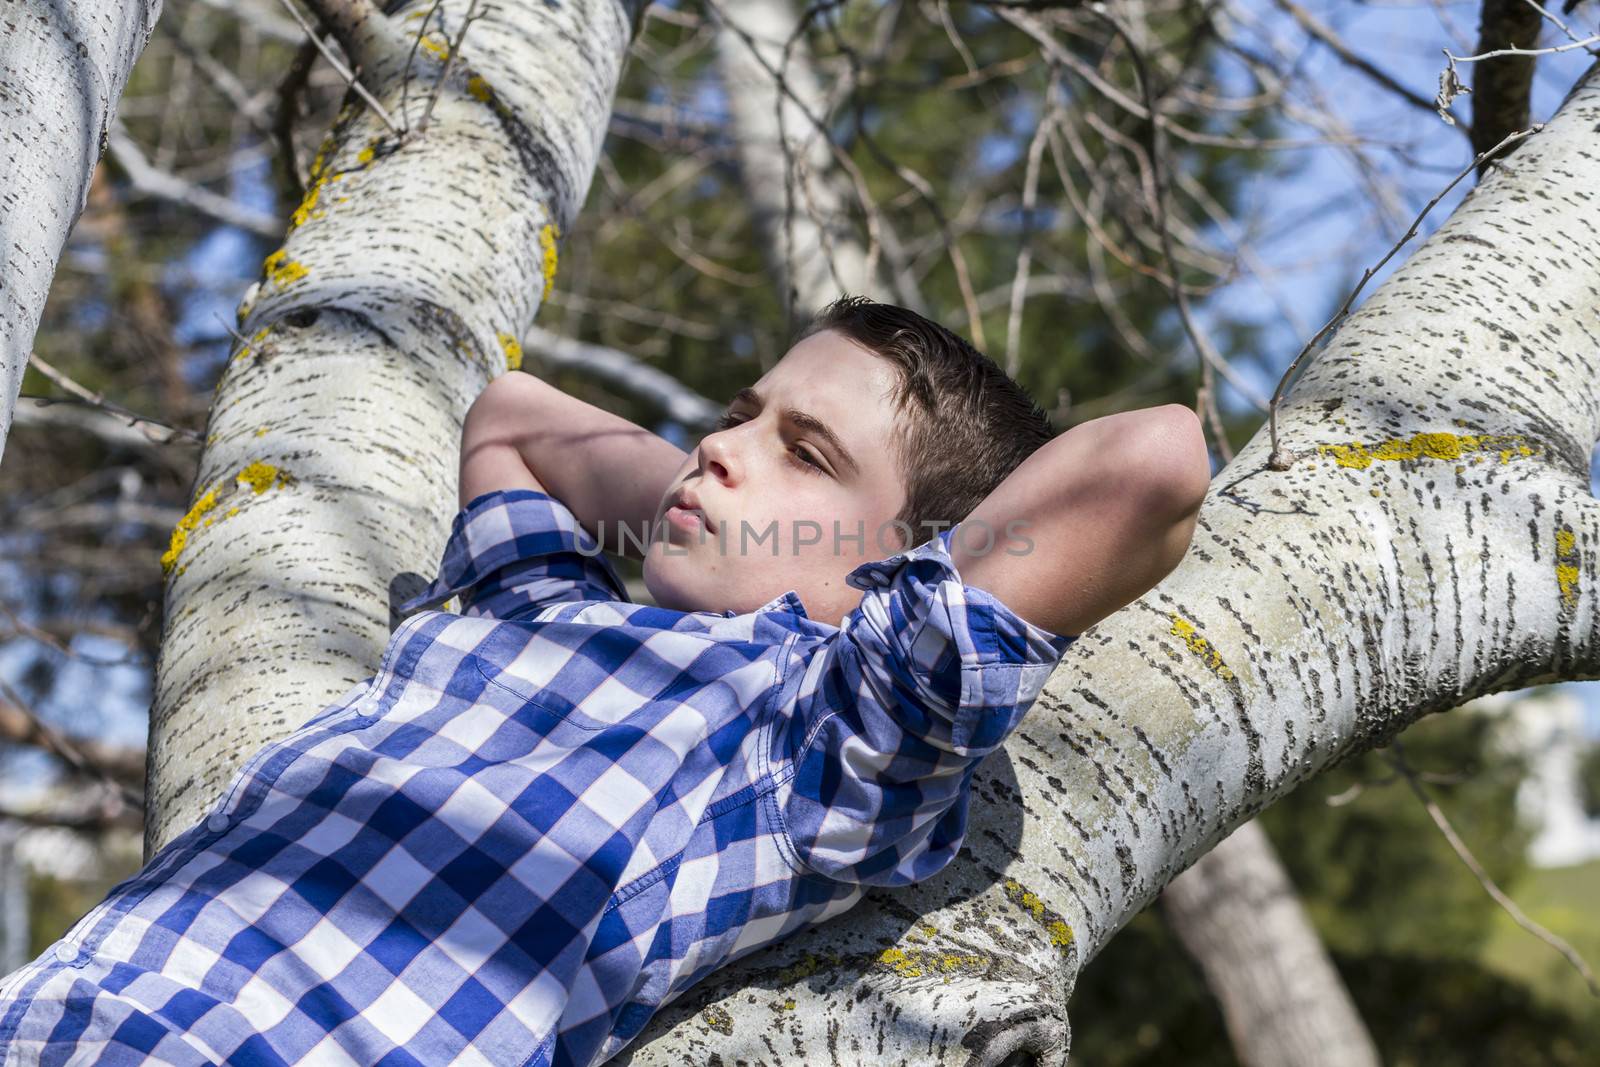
808 422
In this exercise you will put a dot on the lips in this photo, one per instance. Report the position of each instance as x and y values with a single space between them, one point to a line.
687 501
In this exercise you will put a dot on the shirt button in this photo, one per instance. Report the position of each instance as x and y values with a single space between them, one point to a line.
218 822
67 952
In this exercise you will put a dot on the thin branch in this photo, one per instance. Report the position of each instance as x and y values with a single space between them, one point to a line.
621 370
153 181
27 629
472 16
1502 91
91 397
405 77
288 92
1030 195
1324 33
344 71
105 815
1156 194
1397 757
1277 459
1586 43
114 766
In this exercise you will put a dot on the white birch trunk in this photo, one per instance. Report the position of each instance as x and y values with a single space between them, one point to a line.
1320 609
1284 1004
63 64
790 176
330 468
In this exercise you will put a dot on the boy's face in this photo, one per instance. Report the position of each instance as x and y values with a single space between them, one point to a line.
772 515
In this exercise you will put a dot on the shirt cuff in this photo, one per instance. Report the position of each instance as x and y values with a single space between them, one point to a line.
502 527
997 634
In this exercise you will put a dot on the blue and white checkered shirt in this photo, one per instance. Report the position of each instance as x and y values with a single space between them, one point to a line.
544 817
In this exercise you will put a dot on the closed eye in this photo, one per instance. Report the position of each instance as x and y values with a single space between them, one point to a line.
800 455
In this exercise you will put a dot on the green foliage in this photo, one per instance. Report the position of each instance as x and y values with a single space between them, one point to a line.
1404 919
1375 873
1589 780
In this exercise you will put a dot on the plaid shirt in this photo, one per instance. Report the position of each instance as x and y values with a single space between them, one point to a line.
544 817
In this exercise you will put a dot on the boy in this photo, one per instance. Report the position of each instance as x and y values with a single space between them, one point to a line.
549 815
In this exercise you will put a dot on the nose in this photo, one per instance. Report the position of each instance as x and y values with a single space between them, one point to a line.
717 456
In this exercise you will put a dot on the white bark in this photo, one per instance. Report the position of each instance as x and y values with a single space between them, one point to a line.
790 175
1435 541
63 64
1282 1000
409 275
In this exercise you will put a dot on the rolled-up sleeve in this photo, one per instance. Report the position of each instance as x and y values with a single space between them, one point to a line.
925 678
512 552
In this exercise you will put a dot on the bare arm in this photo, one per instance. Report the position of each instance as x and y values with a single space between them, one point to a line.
523 433
1110 507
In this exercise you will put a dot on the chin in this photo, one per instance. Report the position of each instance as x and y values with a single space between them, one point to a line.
667 588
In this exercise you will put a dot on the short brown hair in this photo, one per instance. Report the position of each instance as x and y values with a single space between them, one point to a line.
963 424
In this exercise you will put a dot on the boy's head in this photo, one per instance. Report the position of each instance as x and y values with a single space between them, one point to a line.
877 422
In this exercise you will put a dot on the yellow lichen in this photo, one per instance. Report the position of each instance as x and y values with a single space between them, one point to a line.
1567 560
916 963
479 89
1060 934
281 269
260 431
303 212
257 476
1186 630
246 349
718 1019
512 349
186 525
437 46
899 963
1441 446
547 241
261 476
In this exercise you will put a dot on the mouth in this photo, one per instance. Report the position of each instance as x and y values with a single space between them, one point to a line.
685 512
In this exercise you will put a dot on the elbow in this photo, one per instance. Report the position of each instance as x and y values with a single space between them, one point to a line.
1177 461
1176 474
504 411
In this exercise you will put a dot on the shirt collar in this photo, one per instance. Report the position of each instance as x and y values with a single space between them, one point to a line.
880 572
874 574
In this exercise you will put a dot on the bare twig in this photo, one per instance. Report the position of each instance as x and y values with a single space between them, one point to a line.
153 181
344 72
405 78
473 15
289 90
1030 194
89 396
1335 44
116 767
26 628
1277 459
1397 757
1156 194
620 370
1502 91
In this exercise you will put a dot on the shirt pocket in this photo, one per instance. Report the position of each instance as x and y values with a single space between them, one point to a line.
546 714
